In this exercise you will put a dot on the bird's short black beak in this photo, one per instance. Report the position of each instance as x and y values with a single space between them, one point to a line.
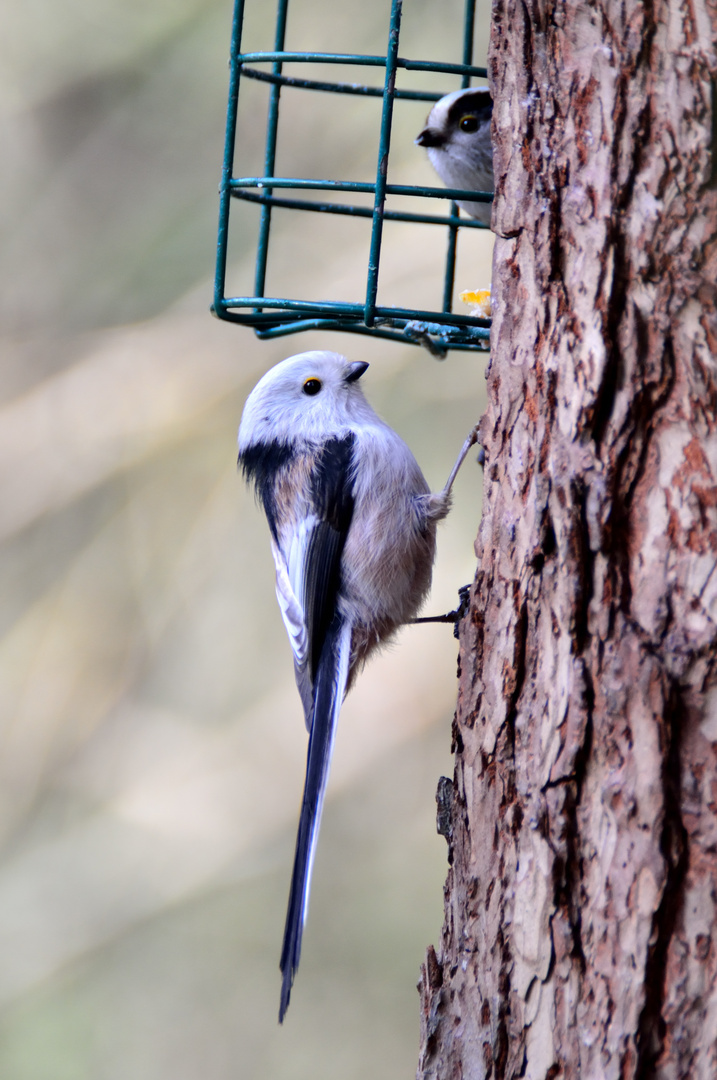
429 137
356 370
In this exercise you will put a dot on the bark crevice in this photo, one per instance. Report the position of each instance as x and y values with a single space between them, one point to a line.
674 847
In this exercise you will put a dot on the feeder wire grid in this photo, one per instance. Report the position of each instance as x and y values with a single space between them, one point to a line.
278 316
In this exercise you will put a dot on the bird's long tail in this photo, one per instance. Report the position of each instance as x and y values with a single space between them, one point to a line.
329 688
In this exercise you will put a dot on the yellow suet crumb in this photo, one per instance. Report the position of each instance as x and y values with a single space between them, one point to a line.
481 299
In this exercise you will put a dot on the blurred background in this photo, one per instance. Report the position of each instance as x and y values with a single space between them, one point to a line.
153 746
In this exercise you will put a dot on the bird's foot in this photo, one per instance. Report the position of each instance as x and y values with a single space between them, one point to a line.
455 616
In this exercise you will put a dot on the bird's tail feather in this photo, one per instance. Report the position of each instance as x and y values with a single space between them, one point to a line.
329 689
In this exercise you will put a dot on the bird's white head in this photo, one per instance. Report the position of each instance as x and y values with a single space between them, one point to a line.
457 139
305 398
460 117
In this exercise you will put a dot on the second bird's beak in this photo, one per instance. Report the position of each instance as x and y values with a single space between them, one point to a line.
356 370
429 137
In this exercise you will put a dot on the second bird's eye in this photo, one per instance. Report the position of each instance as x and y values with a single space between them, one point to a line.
468 123
311 387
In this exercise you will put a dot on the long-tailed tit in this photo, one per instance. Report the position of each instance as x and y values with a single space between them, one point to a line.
353 535
457 138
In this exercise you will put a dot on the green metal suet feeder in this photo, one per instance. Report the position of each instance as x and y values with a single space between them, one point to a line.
274 316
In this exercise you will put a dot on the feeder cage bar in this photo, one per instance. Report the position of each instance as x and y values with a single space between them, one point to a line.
274 316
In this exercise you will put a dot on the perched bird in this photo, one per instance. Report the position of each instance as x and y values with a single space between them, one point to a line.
457 138
353 526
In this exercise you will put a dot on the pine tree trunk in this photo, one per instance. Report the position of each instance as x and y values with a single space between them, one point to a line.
580 935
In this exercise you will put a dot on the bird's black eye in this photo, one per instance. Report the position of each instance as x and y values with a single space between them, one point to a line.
469 122
311 387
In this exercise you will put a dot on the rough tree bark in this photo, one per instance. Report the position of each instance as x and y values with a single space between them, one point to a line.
580 935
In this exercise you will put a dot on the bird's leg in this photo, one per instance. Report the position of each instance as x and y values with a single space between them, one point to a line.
457 614
470 441
454 616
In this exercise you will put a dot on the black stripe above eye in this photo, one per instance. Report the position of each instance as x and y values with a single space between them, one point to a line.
479 103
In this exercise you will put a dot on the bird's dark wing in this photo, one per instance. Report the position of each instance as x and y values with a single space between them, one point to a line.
332 498
308 545
309 525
